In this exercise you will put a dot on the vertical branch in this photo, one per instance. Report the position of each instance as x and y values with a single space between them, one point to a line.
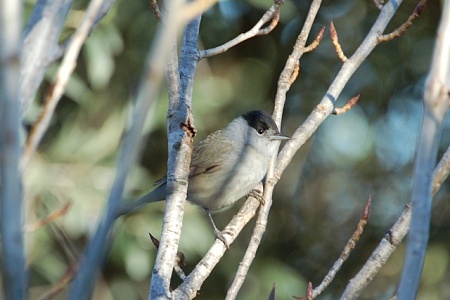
13 257
180 132
436 103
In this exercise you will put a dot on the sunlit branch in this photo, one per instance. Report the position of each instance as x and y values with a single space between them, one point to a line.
270 15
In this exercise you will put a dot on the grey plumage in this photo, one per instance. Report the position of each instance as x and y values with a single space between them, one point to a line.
227 164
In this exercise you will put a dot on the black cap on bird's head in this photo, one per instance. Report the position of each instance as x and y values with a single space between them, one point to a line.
261 121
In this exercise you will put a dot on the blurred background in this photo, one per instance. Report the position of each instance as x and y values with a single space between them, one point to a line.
317 204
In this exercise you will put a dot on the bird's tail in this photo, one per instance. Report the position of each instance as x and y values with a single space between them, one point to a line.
157 194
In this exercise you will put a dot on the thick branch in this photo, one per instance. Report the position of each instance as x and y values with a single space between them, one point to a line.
436 103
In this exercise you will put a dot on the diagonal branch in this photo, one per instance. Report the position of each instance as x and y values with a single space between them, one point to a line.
58 86
346 252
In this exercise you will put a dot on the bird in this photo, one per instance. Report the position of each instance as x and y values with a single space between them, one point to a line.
226 166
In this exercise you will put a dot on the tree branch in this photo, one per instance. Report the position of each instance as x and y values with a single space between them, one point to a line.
284 84
58 86
149 87
271 14
11 198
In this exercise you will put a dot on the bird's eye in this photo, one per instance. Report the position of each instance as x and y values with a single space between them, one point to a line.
260 131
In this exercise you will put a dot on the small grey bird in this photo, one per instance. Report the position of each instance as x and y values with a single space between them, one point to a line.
227 165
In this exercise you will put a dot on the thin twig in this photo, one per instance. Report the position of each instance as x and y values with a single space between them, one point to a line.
270 15
442 171
50 218
316 42
60 285
335 40
346 252
340 110
402 28
180 258
155 9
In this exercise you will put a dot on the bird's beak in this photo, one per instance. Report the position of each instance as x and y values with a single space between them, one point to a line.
279 137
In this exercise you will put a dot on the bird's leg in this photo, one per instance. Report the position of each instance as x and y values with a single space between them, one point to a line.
258 195
219 235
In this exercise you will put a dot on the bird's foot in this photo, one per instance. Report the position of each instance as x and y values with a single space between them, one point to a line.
258 195
221 237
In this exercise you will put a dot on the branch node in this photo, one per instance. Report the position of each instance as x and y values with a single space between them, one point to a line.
272 25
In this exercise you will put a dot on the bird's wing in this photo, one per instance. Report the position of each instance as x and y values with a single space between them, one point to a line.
206 159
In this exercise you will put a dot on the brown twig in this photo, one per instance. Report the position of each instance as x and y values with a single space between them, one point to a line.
50 218
309 293
180 258
402 28
347 250
156 10
335 40
61 284
316 42
340 110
